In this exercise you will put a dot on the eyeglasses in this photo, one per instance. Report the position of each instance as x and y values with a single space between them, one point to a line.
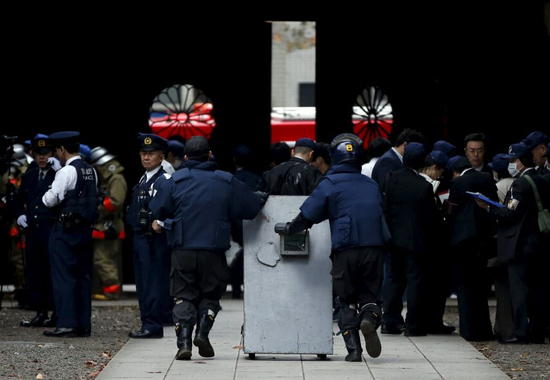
476 151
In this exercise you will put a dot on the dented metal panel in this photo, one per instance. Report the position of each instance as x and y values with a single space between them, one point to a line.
287 297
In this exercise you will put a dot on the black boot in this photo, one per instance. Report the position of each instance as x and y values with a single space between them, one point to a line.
184 336
369 318
353 345
206 321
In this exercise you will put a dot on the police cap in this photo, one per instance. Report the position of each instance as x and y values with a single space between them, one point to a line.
41 144
38 136
499 164
308 143
415 154
197 148
85 152
447 148
439 158
149 142
176 148
64 138
458 163
535 139
518 150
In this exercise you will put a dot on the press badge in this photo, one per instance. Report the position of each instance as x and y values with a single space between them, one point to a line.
513 204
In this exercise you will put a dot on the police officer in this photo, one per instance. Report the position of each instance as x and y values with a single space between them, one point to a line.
537 141
197 204
353 204
34 216
521 244
73 194
175 153
295 176
151 251
109 229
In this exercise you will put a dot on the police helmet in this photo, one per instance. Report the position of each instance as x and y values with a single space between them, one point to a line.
346 147
19 157
100 155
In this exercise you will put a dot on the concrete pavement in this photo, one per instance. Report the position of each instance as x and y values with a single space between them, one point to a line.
429 357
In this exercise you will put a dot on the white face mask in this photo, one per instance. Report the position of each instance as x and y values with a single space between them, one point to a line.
513 169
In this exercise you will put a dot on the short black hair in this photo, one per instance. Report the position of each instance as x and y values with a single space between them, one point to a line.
478 136
409 135
461 164
279 152
378 147
322 150
72 147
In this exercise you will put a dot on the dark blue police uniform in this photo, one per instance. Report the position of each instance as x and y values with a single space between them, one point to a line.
70 244
353 204
34 184
151 251
197 205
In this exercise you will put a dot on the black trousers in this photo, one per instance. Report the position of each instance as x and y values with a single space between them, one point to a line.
470 272
71 268
38 265
438 283
198 280
152 272
357 279
528 279
406 272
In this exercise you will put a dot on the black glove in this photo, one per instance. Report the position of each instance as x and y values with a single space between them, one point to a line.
282 228
262 196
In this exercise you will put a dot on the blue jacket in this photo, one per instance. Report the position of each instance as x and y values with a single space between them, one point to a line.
198 203
353 204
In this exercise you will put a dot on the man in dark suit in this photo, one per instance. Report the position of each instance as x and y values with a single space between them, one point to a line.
410 212
520 243
390 161
474 148
393 159
471 232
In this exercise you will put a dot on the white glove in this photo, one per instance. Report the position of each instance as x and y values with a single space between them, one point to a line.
22 221
54 163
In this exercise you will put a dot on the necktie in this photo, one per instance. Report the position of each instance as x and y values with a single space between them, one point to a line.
41 176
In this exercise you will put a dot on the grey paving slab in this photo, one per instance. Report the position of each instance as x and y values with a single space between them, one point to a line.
430 357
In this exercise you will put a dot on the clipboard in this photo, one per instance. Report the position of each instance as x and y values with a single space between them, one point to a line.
484 199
